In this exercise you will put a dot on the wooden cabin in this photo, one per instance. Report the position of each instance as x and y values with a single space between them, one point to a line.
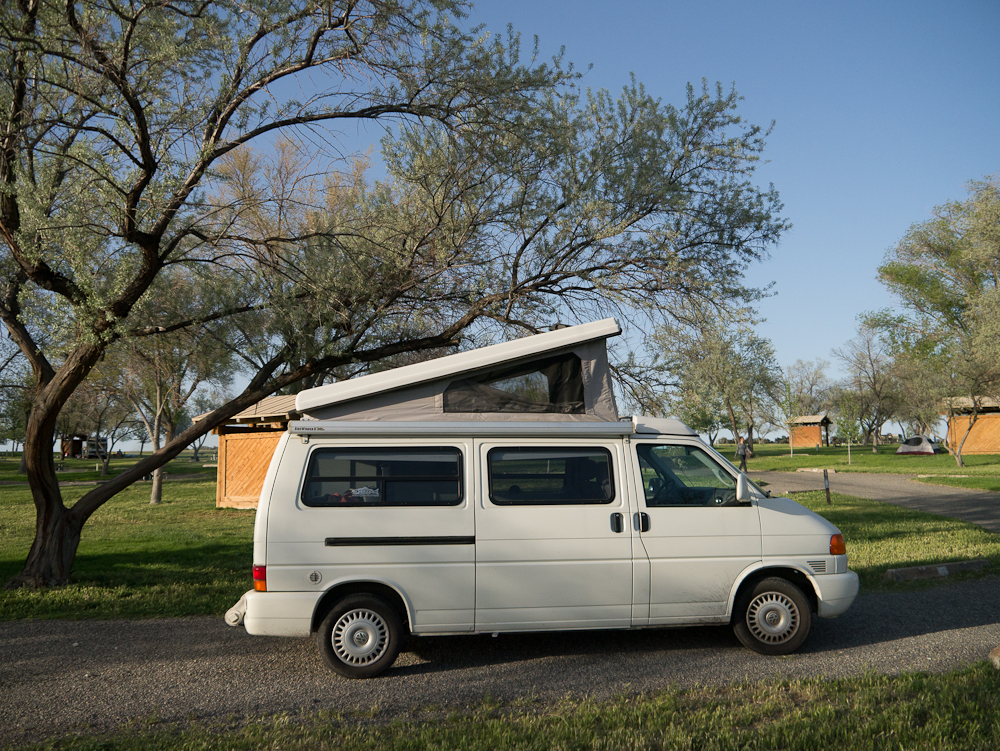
246 443
809 430
985 435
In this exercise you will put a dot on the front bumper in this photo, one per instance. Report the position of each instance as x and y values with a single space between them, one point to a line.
836 593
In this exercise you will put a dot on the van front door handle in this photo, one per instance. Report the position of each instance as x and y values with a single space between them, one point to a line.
617 523
640 521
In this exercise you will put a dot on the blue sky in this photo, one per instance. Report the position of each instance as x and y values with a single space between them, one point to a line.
882 110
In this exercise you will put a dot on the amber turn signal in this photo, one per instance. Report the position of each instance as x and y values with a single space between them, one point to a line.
260 577
837 545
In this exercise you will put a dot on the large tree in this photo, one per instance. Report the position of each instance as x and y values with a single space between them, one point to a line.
946 273
511 200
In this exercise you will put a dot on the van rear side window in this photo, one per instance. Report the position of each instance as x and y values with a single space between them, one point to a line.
426 476
543 476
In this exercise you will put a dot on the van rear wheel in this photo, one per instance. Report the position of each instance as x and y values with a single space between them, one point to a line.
772 617
360 637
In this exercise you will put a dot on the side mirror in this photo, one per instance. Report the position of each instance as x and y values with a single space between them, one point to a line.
743 489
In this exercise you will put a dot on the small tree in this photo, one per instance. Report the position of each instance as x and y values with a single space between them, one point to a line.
715 352
849 410
868 360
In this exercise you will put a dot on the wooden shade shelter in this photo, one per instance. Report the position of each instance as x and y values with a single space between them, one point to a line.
809 430
246 444
984 438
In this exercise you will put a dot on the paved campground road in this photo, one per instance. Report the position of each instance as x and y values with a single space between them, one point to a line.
59 677
980 507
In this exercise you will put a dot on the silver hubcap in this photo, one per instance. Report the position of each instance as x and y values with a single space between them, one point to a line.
773 618
360 637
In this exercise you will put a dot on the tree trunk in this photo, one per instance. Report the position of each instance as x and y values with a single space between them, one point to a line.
156 493
733 422
958 453
105 458
50 560
57 529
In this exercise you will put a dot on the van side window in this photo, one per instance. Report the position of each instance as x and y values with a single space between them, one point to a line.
429 476
683 476
539 476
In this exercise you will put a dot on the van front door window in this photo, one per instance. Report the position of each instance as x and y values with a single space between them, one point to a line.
682 475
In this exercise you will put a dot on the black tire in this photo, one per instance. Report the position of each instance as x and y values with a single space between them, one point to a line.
772 617
361 636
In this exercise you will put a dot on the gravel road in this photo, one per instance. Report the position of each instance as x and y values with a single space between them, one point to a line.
60 677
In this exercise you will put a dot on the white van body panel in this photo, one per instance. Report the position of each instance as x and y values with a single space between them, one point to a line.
542 567
279 613
485 567
695 554
314 548
790 529
266 493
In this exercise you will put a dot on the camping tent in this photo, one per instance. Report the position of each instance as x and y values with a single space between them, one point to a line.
920 445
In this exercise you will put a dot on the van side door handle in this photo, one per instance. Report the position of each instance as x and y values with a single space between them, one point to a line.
617 523
640 521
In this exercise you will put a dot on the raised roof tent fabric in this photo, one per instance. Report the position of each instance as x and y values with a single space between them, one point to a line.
563 383
548 385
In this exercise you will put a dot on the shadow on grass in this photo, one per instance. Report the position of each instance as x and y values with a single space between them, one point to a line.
191 564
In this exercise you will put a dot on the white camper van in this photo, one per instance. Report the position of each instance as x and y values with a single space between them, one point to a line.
498 491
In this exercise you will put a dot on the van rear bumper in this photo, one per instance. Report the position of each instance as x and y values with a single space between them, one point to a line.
279 613
836 593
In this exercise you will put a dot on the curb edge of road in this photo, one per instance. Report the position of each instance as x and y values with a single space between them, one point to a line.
931 572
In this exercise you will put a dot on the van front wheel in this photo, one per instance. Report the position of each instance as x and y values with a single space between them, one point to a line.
772 617
360 637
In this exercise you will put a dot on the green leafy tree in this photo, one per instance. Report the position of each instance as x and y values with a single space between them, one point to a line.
512 199
701 409
717 353
849 409
15 406
868 361
946 273
101 411
160 376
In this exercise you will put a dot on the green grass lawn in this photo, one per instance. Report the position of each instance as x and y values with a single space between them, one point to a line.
881 536
181 557
959 710
972 483
88 470
774 457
